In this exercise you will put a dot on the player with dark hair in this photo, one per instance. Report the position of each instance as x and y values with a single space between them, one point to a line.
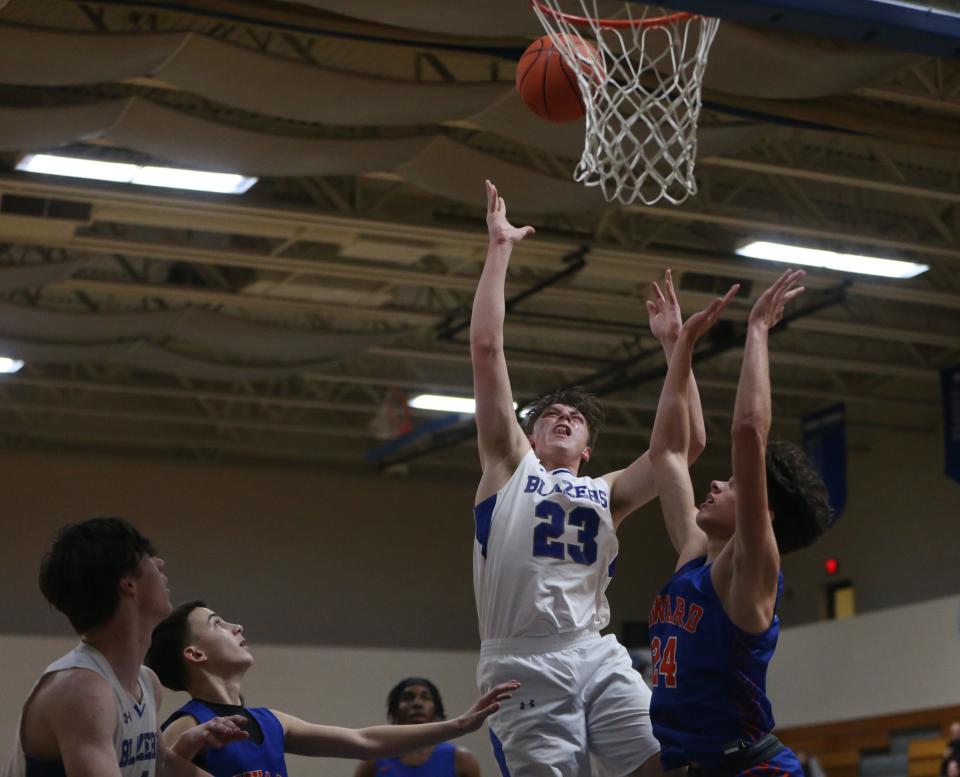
544 554
93 712
576 397
713 628
417 700
197 651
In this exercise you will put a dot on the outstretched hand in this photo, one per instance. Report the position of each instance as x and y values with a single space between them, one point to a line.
699 323
486 705
664 311
501 231
768 309
217 732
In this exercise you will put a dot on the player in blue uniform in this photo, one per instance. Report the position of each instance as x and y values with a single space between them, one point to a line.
411 701
713 628
197 651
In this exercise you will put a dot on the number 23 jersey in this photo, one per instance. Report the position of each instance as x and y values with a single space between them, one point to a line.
544 553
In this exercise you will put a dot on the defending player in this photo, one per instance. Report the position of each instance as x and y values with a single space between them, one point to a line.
196 651
713 628
545 546
417 700
93 713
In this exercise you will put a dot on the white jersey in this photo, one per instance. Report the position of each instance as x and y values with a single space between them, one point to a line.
542 558
135 735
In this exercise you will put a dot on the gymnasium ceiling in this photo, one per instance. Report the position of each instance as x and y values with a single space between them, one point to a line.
288 324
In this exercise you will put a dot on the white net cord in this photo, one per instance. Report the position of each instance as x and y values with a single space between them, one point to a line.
641 89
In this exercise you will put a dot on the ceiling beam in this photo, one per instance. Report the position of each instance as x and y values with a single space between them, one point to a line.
836 179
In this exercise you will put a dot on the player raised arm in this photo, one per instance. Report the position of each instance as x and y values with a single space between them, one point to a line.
756 560
670 441
500 439
305 738
666 321
633 487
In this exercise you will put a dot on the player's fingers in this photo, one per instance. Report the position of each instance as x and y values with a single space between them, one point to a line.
671 292
713 312
725 299
487 711
792 276
657 293
491 195
501 206
779 283
527 231
794 292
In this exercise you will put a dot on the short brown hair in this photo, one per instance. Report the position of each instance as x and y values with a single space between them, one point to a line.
575 396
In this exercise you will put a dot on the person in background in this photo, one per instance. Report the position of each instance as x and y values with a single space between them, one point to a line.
411 701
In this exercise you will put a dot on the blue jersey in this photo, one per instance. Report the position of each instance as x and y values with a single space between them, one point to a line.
265 759
441 763
709 677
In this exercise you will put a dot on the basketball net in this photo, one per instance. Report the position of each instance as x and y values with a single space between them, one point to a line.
641 92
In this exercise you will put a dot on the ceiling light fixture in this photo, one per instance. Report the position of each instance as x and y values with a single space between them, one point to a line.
143 175
446 404
831 260
9 365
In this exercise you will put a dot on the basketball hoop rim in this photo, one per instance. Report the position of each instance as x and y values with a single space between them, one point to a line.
614 24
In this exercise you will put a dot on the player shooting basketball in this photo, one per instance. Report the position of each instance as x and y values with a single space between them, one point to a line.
545 545
713 628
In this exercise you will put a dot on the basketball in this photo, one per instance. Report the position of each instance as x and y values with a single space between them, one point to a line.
548 85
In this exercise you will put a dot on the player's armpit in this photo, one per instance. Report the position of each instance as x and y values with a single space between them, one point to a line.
630 488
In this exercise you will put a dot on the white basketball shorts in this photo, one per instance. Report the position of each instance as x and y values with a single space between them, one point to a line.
579 697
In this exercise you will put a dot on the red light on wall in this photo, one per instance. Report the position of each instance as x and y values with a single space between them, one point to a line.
831 565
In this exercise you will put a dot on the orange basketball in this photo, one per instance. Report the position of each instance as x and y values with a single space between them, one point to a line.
548 85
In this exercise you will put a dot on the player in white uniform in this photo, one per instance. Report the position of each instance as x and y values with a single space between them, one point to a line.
545 544
93 713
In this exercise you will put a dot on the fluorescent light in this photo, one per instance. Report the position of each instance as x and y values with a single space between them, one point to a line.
143 175
196 180
445 404
77 168
815 257
9 365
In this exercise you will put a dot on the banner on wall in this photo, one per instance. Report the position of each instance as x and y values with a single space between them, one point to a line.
950 391
825 441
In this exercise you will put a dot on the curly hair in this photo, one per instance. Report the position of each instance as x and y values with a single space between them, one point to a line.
575 396
797 497
393 698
